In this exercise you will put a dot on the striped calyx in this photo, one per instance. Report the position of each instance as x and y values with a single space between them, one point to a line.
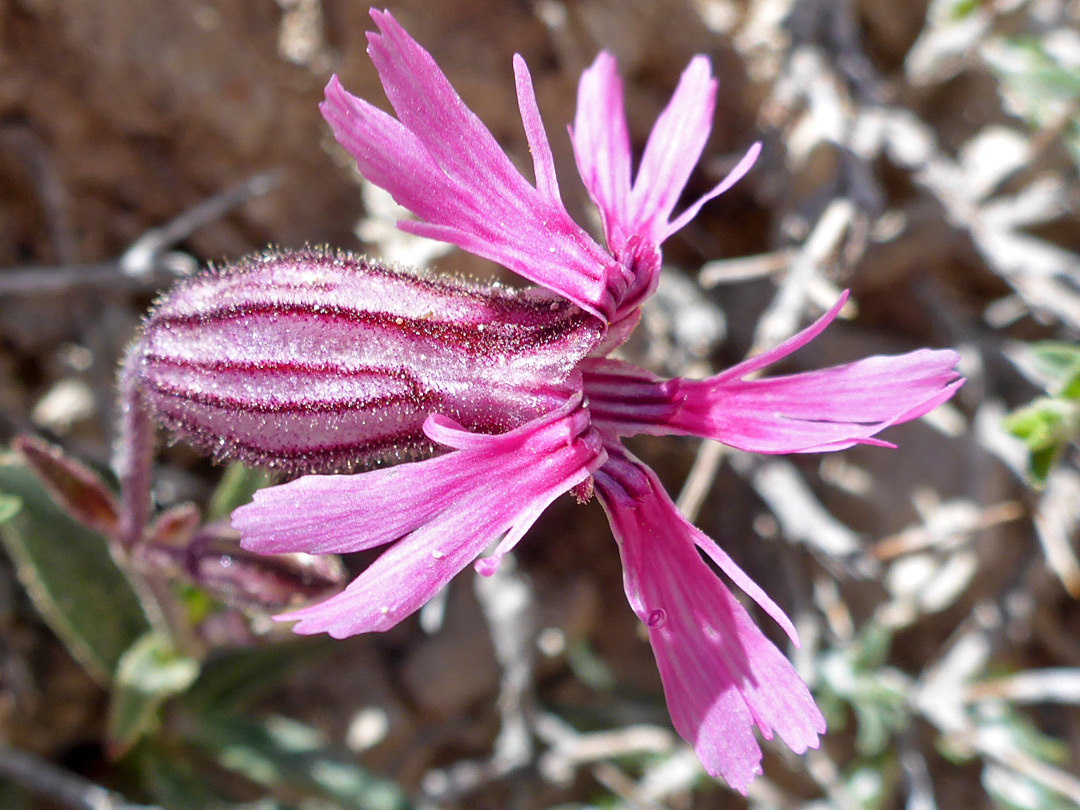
317 360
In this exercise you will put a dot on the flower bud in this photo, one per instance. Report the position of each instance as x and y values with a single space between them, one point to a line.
213 559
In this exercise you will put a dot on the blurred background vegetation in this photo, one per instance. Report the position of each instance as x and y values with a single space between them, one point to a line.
923 154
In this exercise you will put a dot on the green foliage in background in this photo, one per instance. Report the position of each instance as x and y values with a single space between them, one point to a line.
69 574
1039 81
1050 423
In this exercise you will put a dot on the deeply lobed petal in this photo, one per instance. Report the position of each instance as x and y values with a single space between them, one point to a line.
814 411
637 217
746 162
721 675
601 144
673 149
442 512
438 160
830 409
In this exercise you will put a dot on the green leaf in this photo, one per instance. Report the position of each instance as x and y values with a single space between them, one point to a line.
171 780
962 8
1059 362
877 694
590 668
238 485
866 787
1046 426
148 674
1046 422
880 711
1041 461
198 604
281 753
1071 136
871 649
1033 69
69 575
232 678
1039 83
1006 721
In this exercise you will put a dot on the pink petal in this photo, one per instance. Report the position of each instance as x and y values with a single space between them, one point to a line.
821 410
547 183
673 149
721 675
637 219
427 104
602 145
445 511
439 161
813 411
320 514
733 177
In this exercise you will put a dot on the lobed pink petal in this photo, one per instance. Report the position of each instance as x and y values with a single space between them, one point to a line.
721 676
319 514
427 104
438 160
821 410
443 512
789 346
814 411
601 144
673 149
637 218
638 479
387 152
734 176
547 184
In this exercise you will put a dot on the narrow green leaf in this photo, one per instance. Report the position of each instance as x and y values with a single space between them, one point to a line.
1008 722
70 576
1012 790
148 674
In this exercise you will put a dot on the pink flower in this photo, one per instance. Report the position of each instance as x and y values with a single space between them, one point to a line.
316 361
